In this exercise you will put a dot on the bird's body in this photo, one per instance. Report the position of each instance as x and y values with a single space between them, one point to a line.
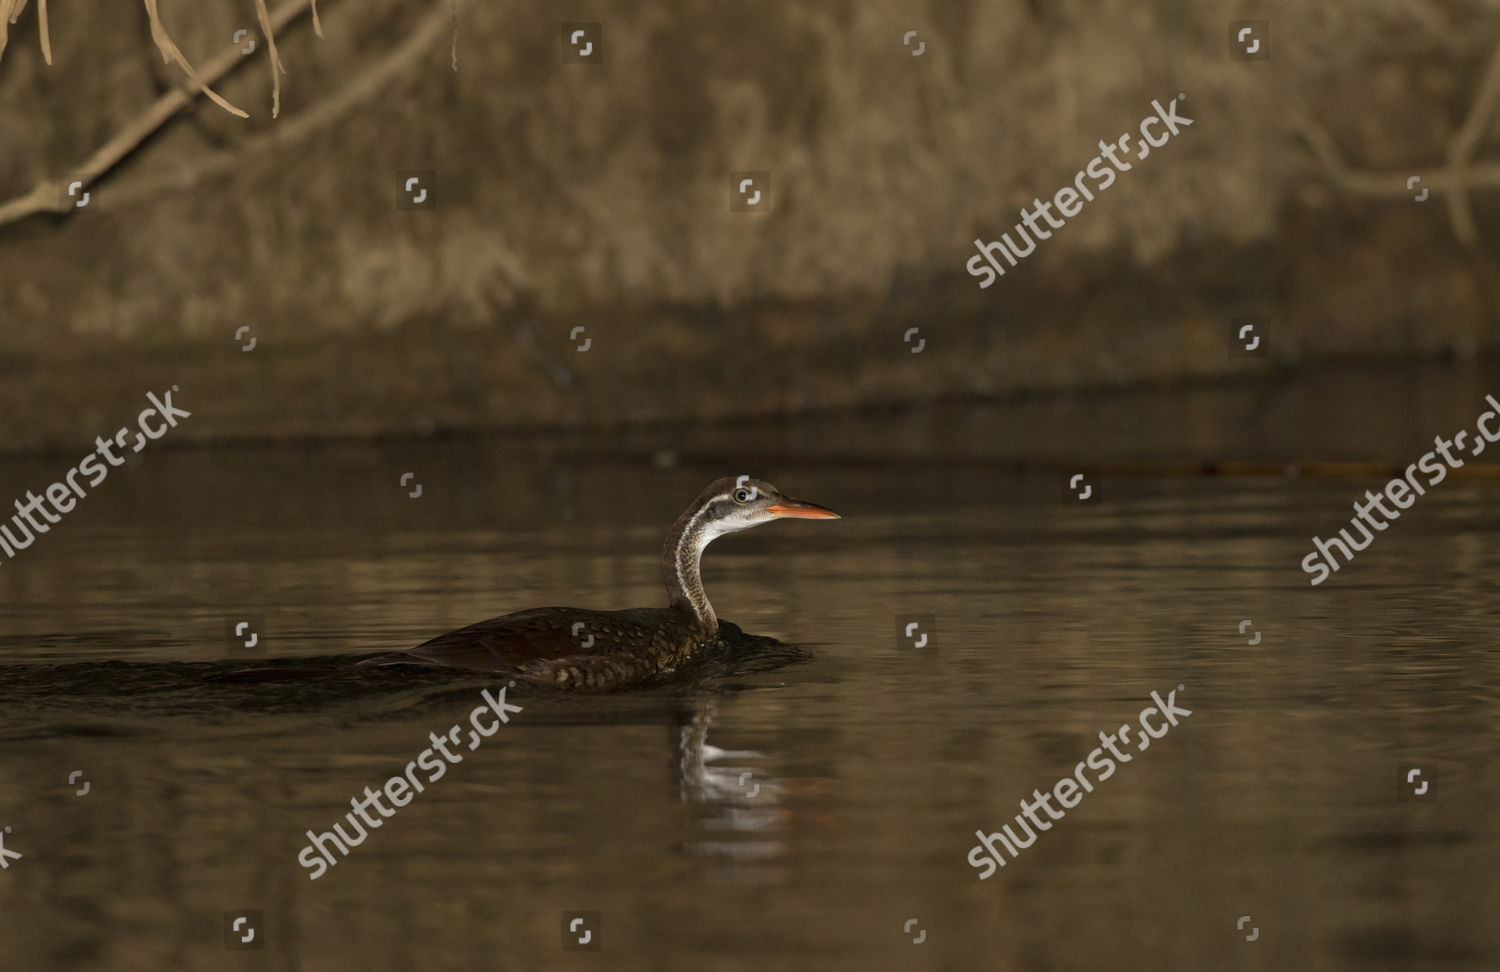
587 650
599 651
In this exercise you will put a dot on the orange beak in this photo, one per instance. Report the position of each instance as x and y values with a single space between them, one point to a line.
796 509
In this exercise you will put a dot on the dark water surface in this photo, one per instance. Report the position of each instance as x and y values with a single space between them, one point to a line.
774 816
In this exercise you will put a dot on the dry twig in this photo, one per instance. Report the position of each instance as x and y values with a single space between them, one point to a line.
45 196
316 118
171 53
10 11
276 69
1457 178
1466 143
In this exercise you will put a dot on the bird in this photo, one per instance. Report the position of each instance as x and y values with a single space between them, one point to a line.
579 650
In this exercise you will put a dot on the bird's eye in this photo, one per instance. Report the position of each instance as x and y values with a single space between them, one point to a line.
742 496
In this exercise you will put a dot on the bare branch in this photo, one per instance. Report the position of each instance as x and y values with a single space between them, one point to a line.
316 118
1466 143
41 24
1456 178
172 54
276 69
7 17
44 197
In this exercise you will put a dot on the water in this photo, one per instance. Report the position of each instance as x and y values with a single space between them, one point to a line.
870 765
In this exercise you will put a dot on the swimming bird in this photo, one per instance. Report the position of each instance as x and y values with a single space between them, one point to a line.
574 649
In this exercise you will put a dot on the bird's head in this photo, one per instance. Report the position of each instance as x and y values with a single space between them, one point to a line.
728 505
737 503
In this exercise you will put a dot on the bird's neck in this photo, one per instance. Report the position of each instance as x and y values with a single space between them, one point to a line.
681 558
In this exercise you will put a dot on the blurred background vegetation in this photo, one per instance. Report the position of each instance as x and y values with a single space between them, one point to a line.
575 195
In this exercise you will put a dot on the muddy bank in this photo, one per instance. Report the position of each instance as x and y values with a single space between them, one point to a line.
582 257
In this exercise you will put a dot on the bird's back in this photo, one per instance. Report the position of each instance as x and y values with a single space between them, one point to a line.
658 635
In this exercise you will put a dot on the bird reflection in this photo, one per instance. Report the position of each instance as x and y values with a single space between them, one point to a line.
739 819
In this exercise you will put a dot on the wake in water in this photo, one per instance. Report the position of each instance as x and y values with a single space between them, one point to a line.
280 685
